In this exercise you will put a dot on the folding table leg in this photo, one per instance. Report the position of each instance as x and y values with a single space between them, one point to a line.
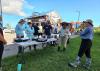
34 47
21 56
23 59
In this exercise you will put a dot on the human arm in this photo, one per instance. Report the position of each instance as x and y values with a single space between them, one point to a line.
2 39
84 32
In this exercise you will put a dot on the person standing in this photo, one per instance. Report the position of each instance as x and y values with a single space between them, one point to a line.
47 29
55 28
86 44
36 28
69 33
2 42
64 32
40 30
29 32
19 30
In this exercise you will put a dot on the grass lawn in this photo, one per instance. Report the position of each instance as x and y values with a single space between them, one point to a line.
49 59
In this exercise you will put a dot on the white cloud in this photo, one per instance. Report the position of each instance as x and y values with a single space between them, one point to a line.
15 7
28 5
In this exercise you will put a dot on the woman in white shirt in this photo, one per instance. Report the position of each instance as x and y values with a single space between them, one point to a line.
64 33
40 30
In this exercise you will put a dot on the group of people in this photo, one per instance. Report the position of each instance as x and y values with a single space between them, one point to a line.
85 33
36 29
31 30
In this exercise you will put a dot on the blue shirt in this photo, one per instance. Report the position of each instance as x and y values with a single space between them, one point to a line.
87 33
29 31
19 30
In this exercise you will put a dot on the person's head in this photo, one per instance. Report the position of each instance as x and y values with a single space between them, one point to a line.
21 21
30 24
37 24
46 18
65 24
33 24
40 24
88 22
48 22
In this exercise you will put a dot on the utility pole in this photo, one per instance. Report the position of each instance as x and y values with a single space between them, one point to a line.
1 22
78 17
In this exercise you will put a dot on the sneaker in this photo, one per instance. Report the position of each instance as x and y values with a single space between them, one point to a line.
88 63
74 64
86 66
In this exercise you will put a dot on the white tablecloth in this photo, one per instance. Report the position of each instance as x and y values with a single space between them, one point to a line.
30 43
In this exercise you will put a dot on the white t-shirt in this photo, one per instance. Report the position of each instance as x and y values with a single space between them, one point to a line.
40 29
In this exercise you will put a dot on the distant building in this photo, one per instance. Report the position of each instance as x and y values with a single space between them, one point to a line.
9 31
52 16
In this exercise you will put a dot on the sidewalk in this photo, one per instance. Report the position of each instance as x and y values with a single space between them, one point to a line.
11 49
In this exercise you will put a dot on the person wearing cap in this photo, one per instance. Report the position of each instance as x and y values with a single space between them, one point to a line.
64 32
86 44
19 32
19 29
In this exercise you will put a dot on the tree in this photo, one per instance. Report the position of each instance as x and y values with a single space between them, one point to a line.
8 26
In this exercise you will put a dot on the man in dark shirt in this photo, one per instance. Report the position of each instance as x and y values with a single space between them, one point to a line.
47 29
36 28
2 42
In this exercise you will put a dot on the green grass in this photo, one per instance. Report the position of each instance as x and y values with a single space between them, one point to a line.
49 59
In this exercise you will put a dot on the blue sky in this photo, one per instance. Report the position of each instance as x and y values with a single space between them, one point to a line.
66 8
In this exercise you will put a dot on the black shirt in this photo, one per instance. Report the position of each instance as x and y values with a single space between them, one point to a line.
47 29
36 28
